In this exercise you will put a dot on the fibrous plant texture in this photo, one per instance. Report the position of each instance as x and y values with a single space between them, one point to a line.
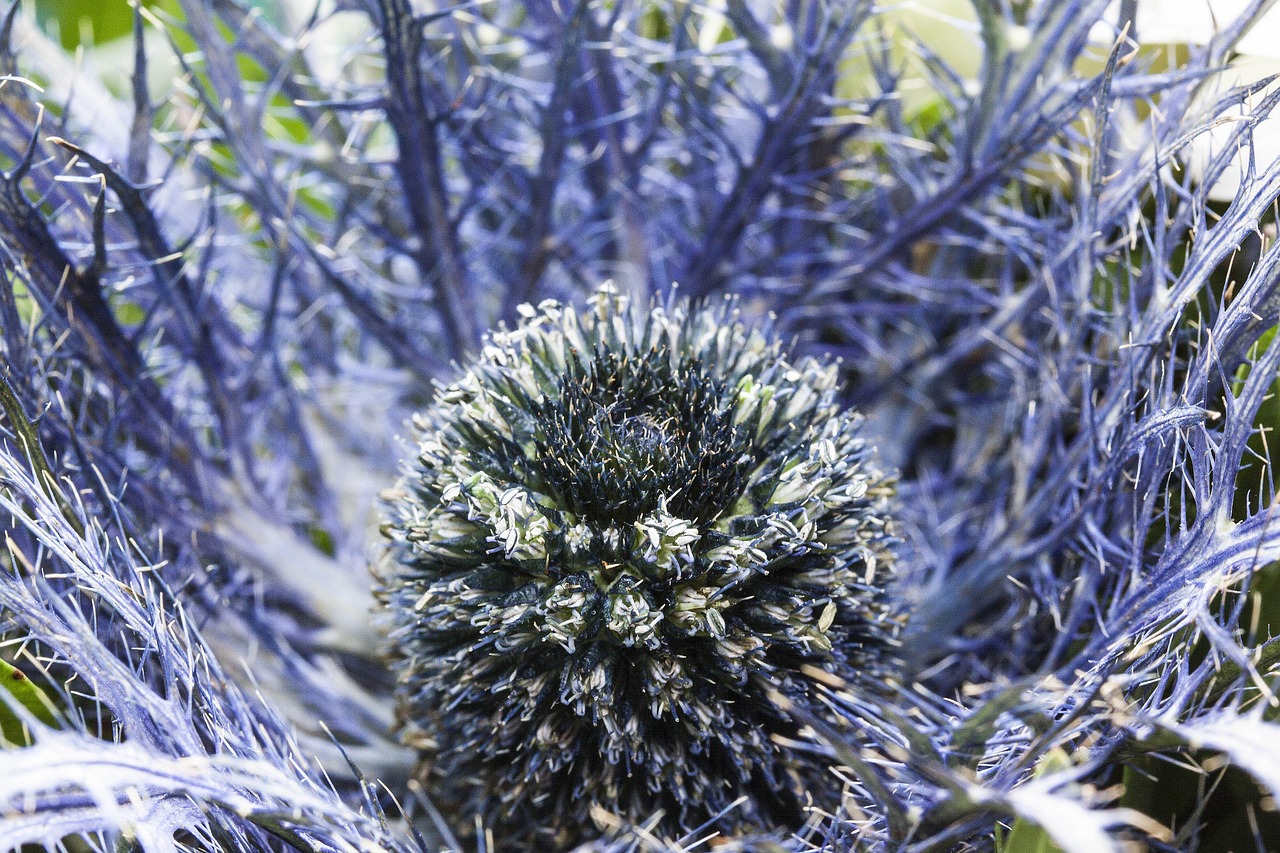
1040 237
626 532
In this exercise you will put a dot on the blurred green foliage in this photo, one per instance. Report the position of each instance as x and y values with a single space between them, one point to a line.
93 22
76 22
25 693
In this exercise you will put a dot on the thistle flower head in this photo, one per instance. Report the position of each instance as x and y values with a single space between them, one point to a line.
624 529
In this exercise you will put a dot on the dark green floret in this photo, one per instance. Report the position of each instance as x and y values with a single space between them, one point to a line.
624 530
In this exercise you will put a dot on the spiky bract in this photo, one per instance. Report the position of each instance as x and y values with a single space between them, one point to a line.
624 529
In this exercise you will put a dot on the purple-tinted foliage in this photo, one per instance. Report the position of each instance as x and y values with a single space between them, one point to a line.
220 306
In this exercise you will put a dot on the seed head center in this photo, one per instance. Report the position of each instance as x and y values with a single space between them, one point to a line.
642 438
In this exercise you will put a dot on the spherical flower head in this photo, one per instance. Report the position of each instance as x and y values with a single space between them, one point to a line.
627 529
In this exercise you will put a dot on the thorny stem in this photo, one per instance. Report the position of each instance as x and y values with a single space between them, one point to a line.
421 170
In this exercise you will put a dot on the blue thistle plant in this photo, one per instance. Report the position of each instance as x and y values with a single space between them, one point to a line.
231 277
624 530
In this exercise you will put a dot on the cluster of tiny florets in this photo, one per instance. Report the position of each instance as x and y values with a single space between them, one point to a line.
625 530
